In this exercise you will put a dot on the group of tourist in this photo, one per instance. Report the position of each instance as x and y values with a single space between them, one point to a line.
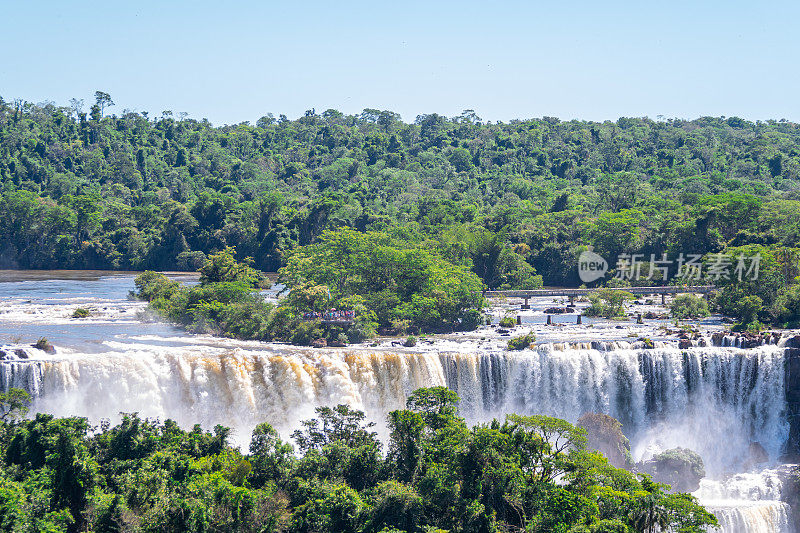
331 314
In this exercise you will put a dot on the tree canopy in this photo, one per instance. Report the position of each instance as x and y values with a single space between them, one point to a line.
506 200
438 474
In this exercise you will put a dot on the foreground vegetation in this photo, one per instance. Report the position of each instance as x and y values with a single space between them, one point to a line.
435 473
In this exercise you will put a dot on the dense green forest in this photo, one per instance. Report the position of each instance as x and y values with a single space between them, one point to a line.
435 474
129 191
514 203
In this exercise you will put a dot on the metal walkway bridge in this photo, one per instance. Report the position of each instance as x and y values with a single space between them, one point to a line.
572 293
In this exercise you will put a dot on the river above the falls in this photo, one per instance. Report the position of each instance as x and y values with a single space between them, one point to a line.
716 400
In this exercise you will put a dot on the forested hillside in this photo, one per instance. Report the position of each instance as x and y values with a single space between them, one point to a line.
129 191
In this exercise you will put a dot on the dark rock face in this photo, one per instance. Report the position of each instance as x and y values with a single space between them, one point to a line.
790 475
792 362
45 346
319 343
684 344
757 453
680 468
604 434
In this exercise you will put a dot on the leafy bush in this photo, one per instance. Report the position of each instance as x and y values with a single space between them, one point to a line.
306 332
521 342
223 267
786 308
43 344
80 312
607 303
410 342
688 306
508 321
471 319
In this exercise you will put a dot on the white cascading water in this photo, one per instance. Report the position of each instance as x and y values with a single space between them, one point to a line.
714 400
749 502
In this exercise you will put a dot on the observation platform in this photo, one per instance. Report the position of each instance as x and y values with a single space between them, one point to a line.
572 293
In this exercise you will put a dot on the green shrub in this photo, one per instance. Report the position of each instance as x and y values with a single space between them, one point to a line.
223 267
688 306
400 326
43 344
786 308
151 285
471 319
305 332
522 342
608 303
411 341
610 526
508 321
80 312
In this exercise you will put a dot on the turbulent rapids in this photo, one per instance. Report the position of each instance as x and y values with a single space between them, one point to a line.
716 400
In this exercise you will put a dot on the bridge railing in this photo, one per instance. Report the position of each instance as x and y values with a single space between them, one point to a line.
672 289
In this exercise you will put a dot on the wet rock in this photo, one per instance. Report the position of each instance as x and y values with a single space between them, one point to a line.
757 454
793 342
792 391
557 310
3 355
319 343
647 343
717 338
604 434
684 344
790 476
681 468
45 347
20 353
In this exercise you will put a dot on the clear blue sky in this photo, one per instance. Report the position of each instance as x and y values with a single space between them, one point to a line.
231 61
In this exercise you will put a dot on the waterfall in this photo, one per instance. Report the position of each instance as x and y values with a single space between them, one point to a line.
714 400
748 502
751 517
